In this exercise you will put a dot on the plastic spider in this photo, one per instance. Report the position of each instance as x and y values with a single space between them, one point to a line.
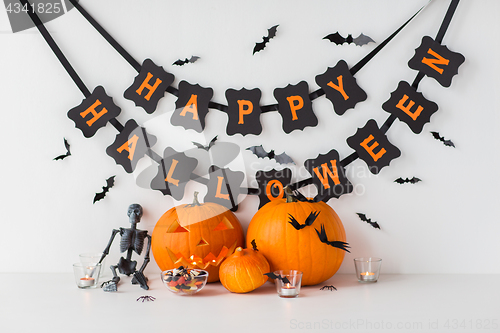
146 298
331 288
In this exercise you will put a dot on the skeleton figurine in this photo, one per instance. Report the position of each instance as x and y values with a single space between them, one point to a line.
132 239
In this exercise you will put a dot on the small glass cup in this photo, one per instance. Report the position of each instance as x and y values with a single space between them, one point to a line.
86 275
291 287
367 269
93 259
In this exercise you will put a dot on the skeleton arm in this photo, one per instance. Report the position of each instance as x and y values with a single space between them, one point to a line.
106 250
146 255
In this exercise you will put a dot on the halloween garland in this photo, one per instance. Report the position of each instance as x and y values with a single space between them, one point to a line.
337 84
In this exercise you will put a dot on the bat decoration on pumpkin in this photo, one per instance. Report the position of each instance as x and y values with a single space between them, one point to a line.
254 245
369 221
110 182
271 33
273 276
281 158
183 62
413 180
442 139
207 148
300 197
309 220
68 152
331 288
339 40
324 239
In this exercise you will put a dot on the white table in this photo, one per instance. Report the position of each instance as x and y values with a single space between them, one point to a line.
396 303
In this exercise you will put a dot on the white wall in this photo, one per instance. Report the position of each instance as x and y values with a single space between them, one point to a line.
448 223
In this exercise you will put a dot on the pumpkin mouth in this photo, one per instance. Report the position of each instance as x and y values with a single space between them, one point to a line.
195 261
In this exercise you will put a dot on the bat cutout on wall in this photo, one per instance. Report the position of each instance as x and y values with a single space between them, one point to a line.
110 182
68 152
254 245
324 239
369 221
442 139
331 288
185 61
281 158
413 180
207 148
339 40
273 276
271 33
309 220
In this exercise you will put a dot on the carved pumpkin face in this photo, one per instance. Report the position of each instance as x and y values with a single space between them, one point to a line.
196 236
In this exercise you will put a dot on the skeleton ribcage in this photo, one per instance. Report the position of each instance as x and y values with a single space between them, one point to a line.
132 239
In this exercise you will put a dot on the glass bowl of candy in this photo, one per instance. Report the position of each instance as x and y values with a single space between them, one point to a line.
184 281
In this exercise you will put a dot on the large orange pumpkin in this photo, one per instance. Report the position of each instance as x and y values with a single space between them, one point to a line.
196 236
285 247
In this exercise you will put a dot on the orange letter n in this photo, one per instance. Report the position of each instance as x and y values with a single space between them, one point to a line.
433 62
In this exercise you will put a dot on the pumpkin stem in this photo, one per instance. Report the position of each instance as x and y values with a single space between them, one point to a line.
195 199
289 195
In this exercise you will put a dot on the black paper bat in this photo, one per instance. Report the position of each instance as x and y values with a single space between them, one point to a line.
324 239
281 158
369 221
254 245
68 152
110 182
211 143
331 288
309 220
183 62
339 40
440 138
273 276
271 32
413 180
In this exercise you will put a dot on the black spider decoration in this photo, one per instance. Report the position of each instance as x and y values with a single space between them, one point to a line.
146 298
331 288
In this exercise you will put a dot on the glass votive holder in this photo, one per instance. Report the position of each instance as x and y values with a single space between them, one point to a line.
289 288
367 269
86 275
93 259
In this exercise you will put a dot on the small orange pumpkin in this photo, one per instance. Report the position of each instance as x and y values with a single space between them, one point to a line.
244 271
286 248
196 236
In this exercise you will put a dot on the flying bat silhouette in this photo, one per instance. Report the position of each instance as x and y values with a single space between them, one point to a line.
68 152
309 220
183 62
254 245
271 33
260 152
369 221
324 239
413 180
339 40
273 276
440 138
210 144
110 182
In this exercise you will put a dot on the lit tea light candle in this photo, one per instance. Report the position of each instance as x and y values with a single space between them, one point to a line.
367 276
288 291
86 281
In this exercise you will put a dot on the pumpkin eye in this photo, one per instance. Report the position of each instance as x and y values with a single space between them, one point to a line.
224 224
175 227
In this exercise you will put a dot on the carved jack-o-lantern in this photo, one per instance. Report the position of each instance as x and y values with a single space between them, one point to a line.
196 236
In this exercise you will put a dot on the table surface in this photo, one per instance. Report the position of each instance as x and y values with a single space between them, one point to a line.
396 303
